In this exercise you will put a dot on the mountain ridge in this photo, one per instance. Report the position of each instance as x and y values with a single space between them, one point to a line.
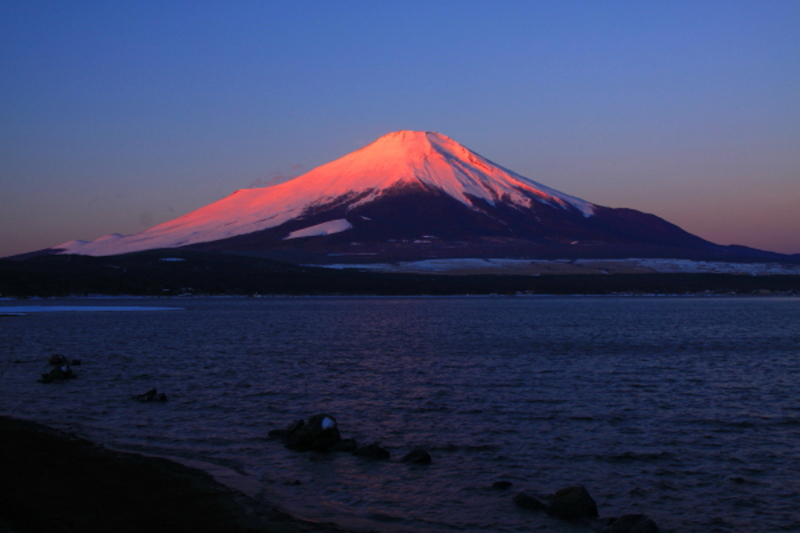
409 195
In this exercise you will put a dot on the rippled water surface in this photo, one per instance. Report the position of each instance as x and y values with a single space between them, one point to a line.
685 409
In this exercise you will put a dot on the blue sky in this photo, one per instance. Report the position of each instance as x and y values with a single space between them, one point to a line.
116 116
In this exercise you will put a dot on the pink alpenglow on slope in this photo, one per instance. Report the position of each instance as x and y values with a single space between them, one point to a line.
427 159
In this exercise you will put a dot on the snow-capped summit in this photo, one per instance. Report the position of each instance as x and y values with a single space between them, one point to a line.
405 189
432 160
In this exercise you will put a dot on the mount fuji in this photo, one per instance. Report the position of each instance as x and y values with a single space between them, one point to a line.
408 196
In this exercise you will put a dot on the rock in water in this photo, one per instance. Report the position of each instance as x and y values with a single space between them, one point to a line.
58 373
417 456
372 451
572 502
151 396
632 523
291 428
58 359
345 445
320 433
526 501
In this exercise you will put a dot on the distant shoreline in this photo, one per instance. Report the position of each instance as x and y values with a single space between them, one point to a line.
51 480
208 274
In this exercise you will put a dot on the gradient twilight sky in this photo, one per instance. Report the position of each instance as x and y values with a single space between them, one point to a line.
119 115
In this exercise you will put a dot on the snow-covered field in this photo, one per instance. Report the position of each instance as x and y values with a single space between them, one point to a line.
26 309
578 266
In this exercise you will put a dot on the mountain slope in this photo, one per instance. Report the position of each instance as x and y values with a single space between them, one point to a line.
397 161
411 195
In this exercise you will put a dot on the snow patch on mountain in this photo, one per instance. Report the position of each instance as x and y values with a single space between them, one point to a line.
326 228
87 247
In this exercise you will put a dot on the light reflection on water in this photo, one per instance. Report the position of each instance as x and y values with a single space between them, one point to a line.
686 409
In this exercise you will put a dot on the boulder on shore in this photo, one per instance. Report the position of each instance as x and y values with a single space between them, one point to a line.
572 503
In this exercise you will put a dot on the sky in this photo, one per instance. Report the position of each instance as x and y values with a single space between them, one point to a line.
119 115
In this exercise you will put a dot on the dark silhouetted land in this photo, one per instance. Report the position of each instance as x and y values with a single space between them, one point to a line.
53 482
158 273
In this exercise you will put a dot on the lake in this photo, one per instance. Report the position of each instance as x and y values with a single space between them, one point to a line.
686 409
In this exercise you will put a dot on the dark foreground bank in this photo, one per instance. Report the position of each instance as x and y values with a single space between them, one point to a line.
53 482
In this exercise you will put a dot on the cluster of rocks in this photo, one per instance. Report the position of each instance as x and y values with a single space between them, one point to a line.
321 433
61 369
575 503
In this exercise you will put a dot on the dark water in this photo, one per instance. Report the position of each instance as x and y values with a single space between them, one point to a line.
685 409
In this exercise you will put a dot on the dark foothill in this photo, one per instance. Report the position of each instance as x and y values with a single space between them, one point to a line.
632 523
372 451
502 485
151 396
320 433
571 503
526 501
417 456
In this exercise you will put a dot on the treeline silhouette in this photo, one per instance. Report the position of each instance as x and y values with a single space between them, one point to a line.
176 272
